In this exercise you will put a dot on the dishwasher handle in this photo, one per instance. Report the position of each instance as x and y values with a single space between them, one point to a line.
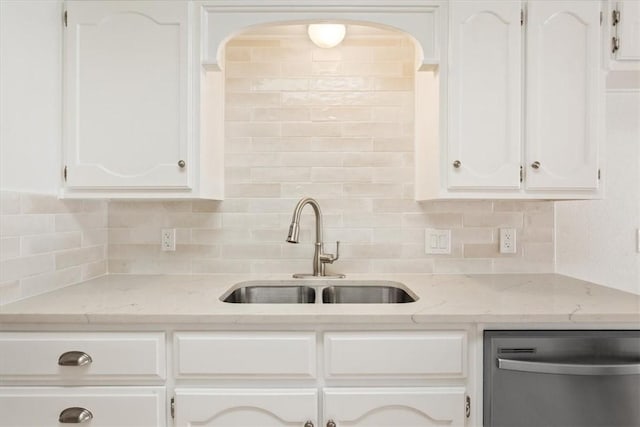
569 368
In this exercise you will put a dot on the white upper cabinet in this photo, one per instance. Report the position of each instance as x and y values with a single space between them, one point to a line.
128 95
563 95
624 44
485 95
523 93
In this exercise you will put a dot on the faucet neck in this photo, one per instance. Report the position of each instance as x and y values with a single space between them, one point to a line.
318 214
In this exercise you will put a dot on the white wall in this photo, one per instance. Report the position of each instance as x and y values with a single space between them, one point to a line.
596 240
30 95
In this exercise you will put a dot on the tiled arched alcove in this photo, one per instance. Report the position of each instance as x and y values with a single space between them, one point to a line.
418 21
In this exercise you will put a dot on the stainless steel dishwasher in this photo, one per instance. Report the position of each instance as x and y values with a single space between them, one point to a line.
561 378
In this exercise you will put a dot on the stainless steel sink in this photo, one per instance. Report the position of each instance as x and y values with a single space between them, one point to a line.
382 294
334 291
272 294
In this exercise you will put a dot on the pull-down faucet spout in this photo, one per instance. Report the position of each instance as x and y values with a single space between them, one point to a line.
319 257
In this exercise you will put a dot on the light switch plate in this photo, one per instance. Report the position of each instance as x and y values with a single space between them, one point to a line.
437 241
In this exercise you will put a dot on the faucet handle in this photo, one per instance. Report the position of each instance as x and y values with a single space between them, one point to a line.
329 258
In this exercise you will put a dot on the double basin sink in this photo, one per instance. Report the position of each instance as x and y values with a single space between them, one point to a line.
308 292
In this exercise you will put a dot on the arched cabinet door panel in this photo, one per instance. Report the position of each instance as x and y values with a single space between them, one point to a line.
127 91
485 67
394 407
245 407
563 95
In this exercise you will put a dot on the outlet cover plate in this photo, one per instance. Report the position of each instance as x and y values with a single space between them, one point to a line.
508 241
168 239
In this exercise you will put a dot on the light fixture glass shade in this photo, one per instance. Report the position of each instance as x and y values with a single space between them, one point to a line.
326 35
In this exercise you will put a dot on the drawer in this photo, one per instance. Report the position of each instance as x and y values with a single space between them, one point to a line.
395 354
245 354
110 357
107 406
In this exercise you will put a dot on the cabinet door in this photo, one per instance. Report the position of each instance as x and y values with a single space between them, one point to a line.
127 94
627 31
245 407
394 407
563 94
100 406
485 95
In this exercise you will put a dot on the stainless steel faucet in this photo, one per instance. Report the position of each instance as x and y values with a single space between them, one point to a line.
319 257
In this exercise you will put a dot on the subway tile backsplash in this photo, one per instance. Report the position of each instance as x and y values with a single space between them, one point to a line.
46 243
336 125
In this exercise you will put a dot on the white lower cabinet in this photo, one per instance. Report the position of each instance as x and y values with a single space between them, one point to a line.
393 407
94 406
342 407
357 378
246 407
310 378
101 379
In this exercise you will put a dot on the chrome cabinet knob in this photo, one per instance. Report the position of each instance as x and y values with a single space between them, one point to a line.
75 416
535 165
308 424
330 423
182 163
457 164
74 358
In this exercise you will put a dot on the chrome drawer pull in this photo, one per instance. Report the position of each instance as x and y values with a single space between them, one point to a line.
75 416
74 358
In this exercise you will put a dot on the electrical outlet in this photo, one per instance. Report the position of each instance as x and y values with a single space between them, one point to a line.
437 241
507 240
168 239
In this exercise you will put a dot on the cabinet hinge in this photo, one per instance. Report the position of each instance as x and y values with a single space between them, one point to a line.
65 19
173 407
615 44
601 18
521 16
467 406
521 174
615 17
64 173
598 174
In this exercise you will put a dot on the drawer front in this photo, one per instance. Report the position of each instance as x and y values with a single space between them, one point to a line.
107 406
243 354
36 357
395 354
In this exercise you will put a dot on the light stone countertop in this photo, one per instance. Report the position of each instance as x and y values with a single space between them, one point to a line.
507 298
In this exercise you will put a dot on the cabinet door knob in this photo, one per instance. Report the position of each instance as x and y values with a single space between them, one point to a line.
330 423
182 163
308 424
535 165
75 416
457 164
74 358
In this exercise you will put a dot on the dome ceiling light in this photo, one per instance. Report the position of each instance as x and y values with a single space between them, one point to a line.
326 35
